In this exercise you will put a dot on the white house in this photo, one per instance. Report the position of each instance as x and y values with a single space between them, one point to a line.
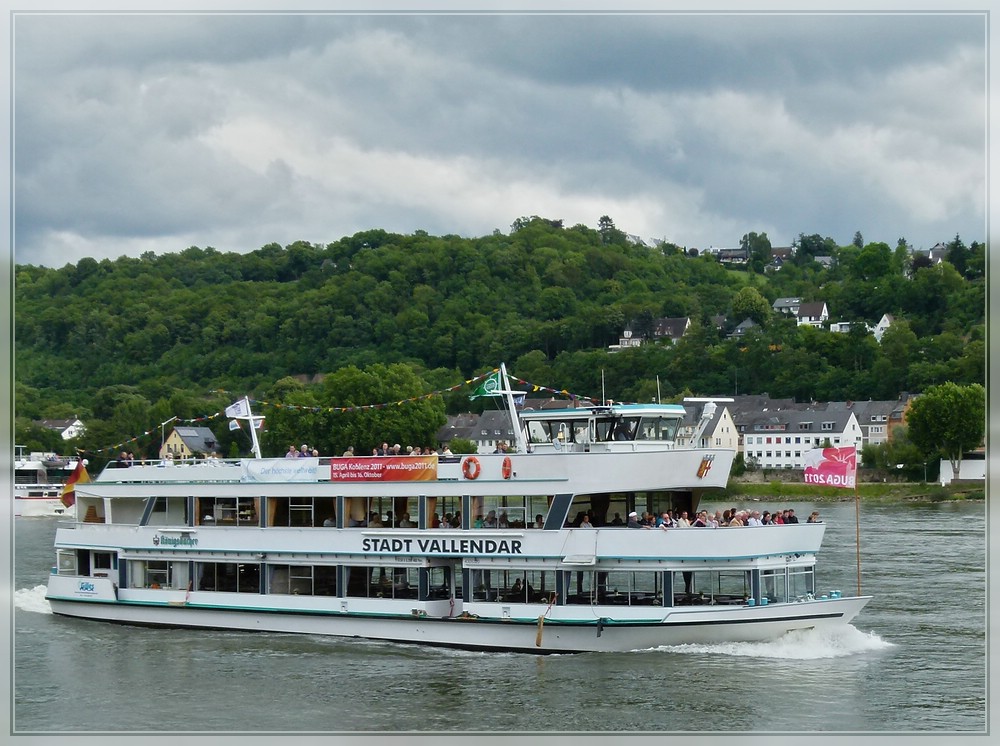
68 429
720 432
883 324
778 440
813 314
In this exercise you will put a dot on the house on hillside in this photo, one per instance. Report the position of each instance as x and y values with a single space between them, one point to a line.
742 328
733 256
189 442
882 326
663 328
671 328
67 429
877 331
787 306
627 339
813 314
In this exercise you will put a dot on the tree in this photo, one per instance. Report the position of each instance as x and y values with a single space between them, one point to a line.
950 419
609 233
749 303
758 248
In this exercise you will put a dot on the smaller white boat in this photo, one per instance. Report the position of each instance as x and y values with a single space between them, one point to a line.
39 479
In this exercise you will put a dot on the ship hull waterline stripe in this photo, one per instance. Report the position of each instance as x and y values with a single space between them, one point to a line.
531 621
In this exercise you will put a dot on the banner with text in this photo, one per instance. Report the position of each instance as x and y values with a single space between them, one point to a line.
280 469
833 467
384 469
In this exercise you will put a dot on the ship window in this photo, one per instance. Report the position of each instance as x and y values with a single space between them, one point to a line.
300 511
773 586
658 428
232 577
102 560
500 512
150 573
296 580
800 582
227 511
66 561
628 588
512 586
367 581
625 428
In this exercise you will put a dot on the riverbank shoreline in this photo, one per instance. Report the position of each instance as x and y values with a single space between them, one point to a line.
866 492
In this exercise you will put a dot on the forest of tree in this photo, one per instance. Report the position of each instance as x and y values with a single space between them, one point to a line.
127 344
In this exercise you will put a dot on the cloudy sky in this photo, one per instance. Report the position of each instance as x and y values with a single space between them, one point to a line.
155 132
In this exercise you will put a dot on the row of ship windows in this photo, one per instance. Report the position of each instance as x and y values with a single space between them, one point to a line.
623 587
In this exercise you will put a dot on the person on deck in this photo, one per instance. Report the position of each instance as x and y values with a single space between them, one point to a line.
633 521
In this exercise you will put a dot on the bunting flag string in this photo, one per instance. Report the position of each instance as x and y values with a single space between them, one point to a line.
535 388
276 405
562 392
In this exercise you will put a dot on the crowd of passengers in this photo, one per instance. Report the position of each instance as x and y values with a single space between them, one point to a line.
665 520
704 519
383 450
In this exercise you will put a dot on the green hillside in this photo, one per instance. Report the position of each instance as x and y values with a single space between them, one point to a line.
127 344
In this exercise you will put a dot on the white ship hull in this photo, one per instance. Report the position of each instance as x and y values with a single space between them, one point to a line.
483 628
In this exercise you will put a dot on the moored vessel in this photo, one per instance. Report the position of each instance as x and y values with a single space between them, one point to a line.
39 479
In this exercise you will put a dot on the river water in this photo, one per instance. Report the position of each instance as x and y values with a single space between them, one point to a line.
914 661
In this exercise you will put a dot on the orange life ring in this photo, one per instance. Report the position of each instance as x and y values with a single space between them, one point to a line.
471 468
506 468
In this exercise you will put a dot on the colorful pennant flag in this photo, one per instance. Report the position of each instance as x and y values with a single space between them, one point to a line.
79 476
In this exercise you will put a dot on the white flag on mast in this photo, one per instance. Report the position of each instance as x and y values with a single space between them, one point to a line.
238 409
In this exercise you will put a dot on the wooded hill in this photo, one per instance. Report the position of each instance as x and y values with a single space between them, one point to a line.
126 344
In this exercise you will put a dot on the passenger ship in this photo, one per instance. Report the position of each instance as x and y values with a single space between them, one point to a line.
291 545
38 483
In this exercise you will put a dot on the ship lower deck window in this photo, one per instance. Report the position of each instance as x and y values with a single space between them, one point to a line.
513 586
711 587
619 587
801 583
150 574
302 580
232 577
382 582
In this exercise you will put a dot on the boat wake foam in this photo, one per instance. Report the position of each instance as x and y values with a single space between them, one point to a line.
32 599
800 644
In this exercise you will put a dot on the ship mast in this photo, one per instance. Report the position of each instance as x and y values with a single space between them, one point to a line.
505 389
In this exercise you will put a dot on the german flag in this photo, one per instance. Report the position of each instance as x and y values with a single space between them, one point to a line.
80 476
